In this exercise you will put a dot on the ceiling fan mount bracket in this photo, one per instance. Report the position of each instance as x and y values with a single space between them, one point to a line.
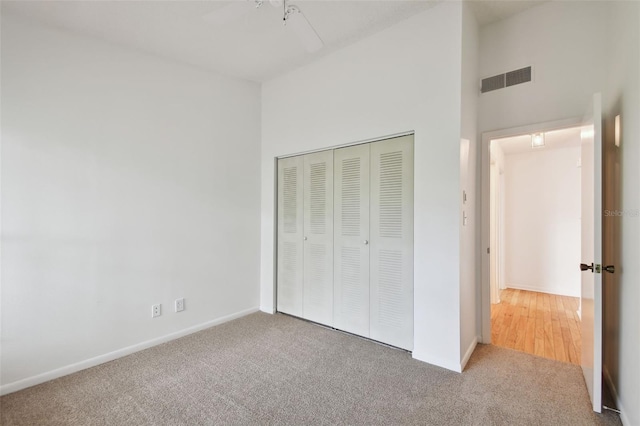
290 11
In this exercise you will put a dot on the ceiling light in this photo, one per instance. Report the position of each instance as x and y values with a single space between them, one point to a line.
587 133
537 140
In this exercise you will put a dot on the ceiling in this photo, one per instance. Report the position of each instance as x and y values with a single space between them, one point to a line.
488 12
552 140
256 46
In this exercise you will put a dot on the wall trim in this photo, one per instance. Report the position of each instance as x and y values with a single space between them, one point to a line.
614 394
348 144
468 353
443 363
438 362
110 356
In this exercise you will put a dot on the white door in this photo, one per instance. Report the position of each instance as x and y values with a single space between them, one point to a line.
318 237
591 224
391 244
351 239
290 235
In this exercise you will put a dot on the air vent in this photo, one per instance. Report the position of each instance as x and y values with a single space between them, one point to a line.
511 78
493 83
520 76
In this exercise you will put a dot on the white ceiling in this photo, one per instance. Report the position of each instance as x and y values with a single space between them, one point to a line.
488 12
555 139
256 46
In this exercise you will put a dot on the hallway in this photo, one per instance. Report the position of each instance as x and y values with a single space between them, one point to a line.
542 324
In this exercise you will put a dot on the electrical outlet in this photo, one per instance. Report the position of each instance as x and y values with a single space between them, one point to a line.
156 310
179 305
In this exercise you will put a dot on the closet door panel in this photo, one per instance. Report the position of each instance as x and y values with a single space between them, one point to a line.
351 235
391 301
318 237
290 236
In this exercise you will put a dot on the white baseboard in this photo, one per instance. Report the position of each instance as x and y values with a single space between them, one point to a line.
101 359
607 377
468 353
538 290
449 365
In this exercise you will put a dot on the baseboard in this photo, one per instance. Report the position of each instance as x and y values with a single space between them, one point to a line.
538 290
467 355
421 356
453 366
614 393
101 359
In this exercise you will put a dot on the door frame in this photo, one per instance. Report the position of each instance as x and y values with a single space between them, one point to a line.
487 137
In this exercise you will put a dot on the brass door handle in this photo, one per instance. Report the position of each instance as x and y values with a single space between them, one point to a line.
610 269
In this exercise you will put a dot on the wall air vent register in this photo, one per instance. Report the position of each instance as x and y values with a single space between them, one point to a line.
511 78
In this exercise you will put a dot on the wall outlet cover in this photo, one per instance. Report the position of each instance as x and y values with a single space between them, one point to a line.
180 305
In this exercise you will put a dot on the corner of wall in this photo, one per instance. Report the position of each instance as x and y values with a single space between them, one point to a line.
469 176
438 362
467 354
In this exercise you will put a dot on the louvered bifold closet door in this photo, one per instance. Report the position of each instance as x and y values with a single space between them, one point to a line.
392 242
290 235
318 237
351 235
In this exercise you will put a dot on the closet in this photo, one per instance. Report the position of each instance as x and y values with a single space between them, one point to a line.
345 239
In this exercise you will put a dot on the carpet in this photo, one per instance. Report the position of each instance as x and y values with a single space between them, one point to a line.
278 370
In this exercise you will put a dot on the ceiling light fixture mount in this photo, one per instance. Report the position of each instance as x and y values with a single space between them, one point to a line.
537 140
292 18
295 19
289 11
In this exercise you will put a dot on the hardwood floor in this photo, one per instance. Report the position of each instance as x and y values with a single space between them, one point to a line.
538 323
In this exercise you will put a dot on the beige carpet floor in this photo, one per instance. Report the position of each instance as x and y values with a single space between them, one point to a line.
274 369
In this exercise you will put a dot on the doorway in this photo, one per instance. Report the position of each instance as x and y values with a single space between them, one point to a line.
534 240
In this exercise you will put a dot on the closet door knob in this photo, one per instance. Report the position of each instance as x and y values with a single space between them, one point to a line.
366 242
305 238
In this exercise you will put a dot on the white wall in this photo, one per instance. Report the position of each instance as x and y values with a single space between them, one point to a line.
407 77
126 181
542 220
564 42
622 334
468 179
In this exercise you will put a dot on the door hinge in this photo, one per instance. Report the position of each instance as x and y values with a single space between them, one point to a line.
598 268
488 250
